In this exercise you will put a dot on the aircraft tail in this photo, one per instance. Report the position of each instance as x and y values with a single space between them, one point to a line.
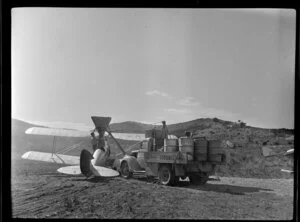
85 161
102 122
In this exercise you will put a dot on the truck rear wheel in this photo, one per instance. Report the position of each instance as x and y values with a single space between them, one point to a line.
125 172
166 175
198 178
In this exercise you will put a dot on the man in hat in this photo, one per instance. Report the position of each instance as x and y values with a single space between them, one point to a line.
165 130
164 135
101 139
102 151
93 141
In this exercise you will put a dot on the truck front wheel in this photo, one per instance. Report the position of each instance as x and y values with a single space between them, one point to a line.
125 172
166 175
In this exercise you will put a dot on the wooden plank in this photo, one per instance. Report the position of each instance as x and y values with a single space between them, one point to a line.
166 157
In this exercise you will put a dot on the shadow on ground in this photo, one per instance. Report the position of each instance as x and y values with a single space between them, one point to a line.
223 188
93 179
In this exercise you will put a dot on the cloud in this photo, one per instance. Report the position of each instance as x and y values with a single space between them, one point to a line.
182 111
188 101
157 93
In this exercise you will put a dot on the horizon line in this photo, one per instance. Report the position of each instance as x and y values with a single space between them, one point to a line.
82 125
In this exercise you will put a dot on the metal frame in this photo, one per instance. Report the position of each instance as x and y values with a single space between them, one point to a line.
62 151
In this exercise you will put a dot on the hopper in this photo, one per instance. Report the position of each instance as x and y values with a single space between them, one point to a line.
101 122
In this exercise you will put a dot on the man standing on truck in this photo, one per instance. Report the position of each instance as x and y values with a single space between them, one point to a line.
188 134
165 130
101 139
164 135
94 142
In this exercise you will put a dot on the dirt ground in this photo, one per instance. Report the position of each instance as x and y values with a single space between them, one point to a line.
39 191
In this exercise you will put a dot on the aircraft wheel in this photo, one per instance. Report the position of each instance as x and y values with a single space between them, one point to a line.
166 176
125 172
199 178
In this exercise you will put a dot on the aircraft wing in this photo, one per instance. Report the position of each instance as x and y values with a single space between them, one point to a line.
77 133
52 158
57 132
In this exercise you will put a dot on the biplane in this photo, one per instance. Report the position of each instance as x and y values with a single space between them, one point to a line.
168 159
87 164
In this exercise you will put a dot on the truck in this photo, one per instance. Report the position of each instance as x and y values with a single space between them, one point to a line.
172 159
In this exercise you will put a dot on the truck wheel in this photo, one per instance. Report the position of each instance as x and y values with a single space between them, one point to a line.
166 176
198 178
125 172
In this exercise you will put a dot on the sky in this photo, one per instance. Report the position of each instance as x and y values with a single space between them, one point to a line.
149 65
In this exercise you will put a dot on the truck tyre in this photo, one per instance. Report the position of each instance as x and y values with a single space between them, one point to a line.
199 178
125 172
166 175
